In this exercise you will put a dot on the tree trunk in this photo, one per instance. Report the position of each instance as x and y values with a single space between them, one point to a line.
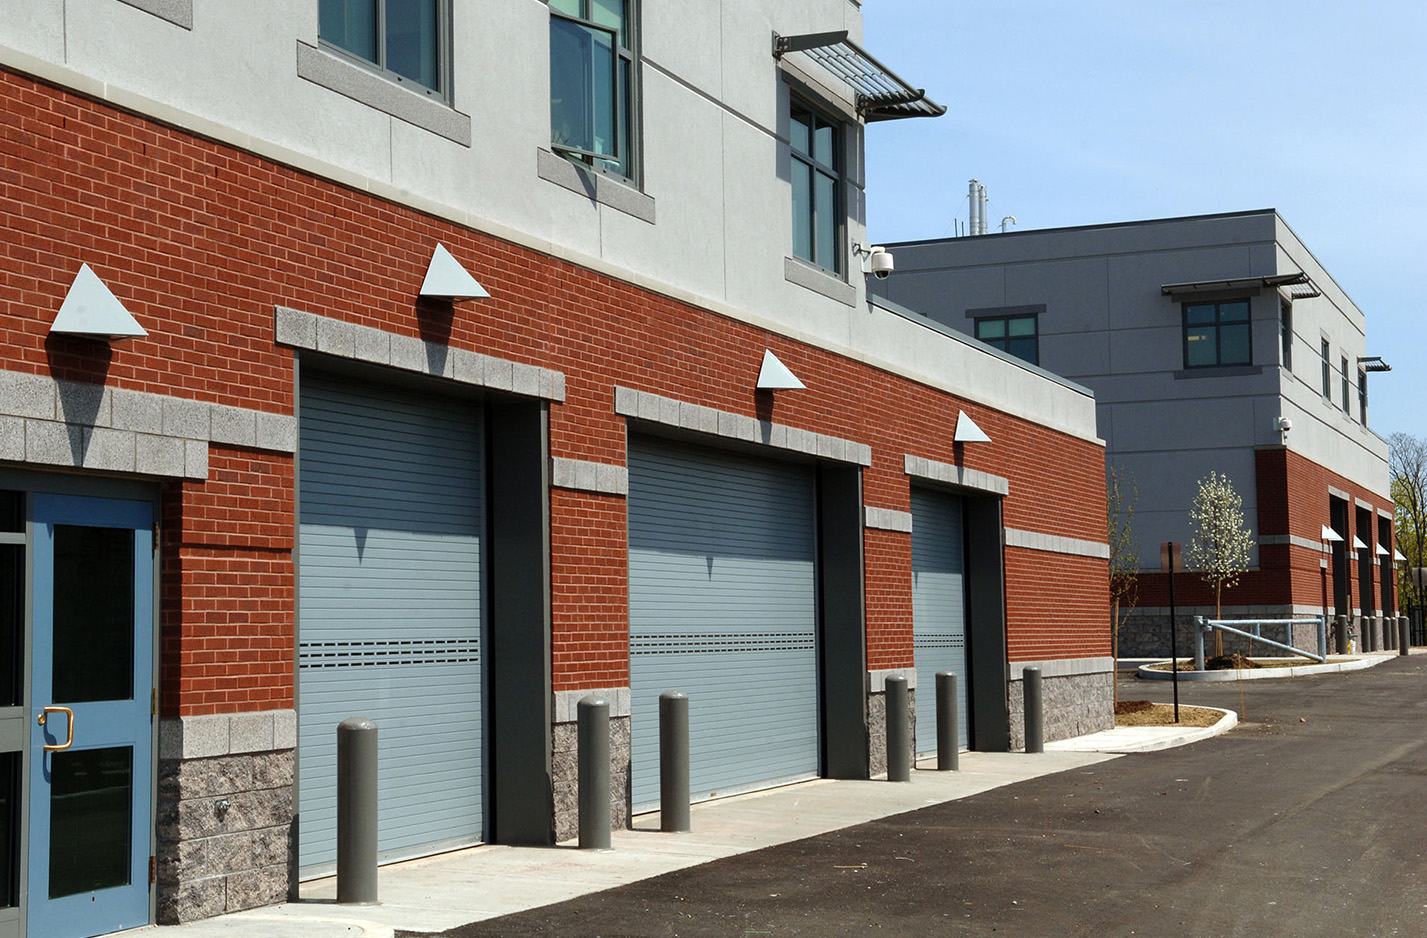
1115 650
1218 605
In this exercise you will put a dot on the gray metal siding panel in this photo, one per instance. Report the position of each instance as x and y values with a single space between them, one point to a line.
722 606
938 608
390 599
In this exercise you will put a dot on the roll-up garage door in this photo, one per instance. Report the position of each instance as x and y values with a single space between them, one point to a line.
722 606
390 610
938 608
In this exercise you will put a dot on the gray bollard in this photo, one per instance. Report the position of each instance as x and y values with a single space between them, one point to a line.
899 745
1323 638
1340 635
1199 631
592 729
357 812
1387 626
674 762
1035 711
1404 639
948 746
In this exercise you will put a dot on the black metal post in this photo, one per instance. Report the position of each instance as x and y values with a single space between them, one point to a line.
1173 635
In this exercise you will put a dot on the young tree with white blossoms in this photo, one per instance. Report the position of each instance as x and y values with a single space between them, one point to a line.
1219 543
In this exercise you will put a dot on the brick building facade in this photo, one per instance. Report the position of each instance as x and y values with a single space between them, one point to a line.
270 286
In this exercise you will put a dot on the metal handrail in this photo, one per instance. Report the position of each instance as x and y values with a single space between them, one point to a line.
1208 625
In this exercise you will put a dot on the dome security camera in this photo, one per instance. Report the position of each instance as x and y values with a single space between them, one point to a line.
882 263
1284 424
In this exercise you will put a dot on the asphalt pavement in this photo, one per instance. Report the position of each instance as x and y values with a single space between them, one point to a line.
1307 819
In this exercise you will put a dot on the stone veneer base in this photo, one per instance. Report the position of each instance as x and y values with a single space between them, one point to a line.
564 762
1075 704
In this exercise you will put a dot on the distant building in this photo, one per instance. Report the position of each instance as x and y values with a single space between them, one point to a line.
1214 342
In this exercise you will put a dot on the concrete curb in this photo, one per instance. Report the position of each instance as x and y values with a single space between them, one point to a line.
1126 739
1148 673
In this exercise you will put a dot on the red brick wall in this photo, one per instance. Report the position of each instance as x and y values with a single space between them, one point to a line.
200 241
1293 500
227 587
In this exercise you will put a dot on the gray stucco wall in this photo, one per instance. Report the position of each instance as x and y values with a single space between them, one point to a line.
1106 324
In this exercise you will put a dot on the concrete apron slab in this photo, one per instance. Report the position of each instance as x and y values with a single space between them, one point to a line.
436 893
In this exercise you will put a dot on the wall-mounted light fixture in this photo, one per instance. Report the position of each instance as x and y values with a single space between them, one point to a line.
775 376
446 279
91 311
968 432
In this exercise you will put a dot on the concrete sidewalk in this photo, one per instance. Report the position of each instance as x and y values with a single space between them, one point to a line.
440 892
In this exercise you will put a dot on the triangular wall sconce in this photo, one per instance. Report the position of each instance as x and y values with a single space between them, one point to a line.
446 279
775 376
1380 551
1331 536
1358 543
968 432
91 311
1397 556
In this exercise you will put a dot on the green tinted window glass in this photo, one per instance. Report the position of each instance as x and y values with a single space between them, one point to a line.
568 7
1021 325
1234 344
824 145
799 132
610 13
1199 314
1237 311
582 80
413 37
1024 349
824 219
990 328
802 210
1199 346
349 25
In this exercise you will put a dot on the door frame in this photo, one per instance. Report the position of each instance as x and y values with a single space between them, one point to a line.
32 483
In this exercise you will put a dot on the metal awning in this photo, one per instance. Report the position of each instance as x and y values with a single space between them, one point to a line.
881 95
1298 281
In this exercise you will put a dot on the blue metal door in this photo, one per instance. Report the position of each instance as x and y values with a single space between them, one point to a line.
91 731
723 607
938 609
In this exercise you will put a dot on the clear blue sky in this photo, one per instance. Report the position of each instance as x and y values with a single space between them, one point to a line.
1077 113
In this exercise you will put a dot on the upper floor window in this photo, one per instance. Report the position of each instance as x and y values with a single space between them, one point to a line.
1343 372
1013 334
1285 333
593 86
1217 334
1327 371
405 38
1363 398
816 166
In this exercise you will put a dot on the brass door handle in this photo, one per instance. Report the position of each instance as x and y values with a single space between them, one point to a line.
66 711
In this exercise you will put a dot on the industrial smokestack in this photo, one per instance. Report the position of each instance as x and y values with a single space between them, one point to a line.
973 199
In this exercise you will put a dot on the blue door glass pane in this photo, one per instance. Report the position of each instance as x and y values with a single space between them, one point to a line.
1199 314
413 35
350 25
91 802
12 611
825 218
1234 344
9 828
93 614
802 211
1199 346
